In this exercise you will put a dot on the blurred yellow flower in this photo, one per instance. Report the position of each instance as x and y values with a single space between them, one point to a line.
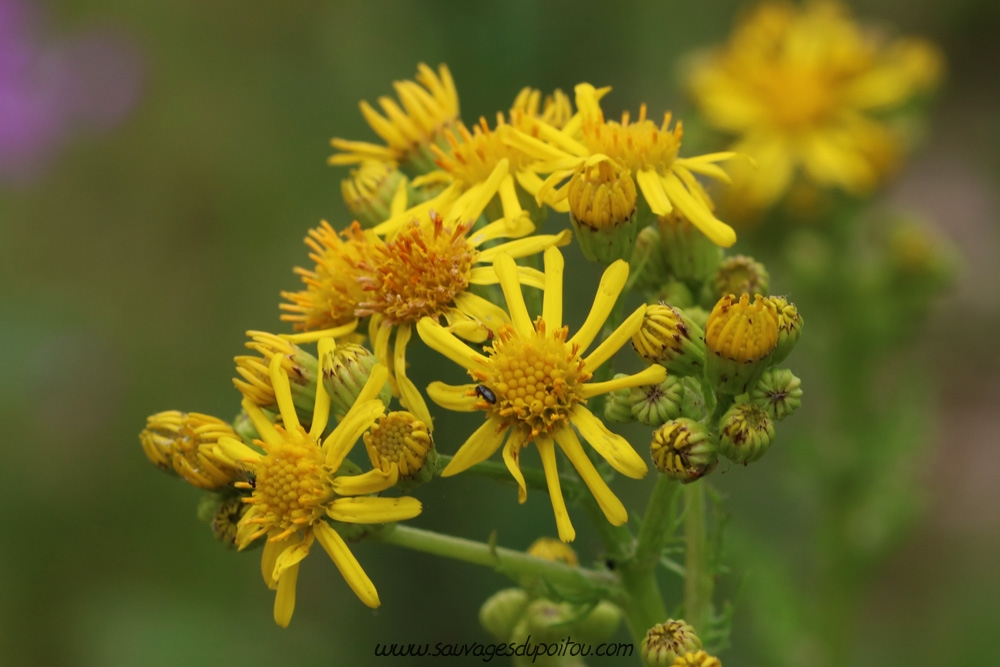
799 87
533 382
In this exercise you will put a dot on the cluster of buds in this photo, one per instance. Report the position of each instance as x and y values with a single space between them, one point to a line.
674 643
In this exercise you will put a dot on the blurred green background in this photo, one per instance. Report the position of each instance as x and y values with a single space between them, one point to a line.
131 267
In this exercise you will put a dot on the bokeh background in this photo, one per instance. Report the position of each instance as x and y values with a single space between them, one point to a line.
158 213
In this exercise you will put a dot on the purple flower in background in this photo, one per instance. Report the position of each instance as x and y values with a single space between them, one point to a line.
89 80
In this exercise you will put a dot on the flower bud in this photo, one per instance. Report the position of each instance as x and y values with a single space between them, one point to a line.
299 365
345 370
225 519
689 253
501 612
599 624
789 328
697 659
683 450
665 642
740 275
668 337
618 405
554 550
649 263
656 403
778 393
601 199
745 433
173 440
370 189
401 445
676 294
740 338
692 399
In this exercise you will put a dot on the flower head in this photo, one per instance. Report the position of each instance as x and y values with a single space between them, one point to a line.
647 150
799 88
664 642
555 110
740 337
173 441
372 188
297 487
429 106
533 382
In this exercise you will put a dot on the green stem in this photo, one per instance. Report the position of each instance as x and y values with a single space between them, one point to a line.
723 401
509 562
697 578
657 524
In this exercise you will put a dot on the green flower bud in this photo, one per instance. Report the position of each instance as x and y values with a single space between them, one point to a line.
778 393
618 406
740 338
683 450
789 328
244 427
648 261
668 337
692 399
656 403
697 315
599 625
602 197
690 254
345 370
501 612
740 275
745 433
676 294
665 642
370 189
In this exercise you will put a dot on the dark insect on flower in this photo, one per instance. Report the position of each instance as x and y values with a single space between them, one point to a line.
486 394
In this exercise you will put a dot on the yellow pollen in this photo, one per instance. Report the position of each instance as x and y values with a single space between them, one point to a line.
741 331
638 145
535 379
419 272
399 438
473 159
292 486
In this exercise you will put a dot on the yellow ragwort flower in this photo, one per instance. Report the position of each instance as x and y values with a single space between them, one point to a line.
430 105
425 269
798 86
649 151
173 440
555 110
296 487
533 383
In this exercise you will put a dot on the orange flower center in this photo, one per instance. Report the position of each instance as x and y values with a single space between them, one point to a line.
535 379
400 438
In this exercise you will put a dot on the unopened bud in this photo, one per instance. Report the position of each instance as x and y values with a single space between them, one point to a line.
668 337
299 365
740 275
656 403
689 253
745 433
649 263
370 189
683 450
602 198
779 393
740 337
173 441
501 612
789 328
345 370
618 404
665 642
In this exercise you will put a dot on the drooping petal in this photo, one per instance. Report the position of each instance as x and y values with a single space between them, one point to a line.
649 183
458 398
609 503
612 447
477 448
436 338
547 450
612 284
348 565
269 557
512 457
373 510
284 599
717 231
292 556
652 375
409 395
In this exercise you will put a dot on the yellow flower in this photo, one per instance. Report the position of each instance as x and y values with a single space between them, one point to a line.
533 383
424 269
555 110
172 440
798 86
297 488
429 107
648 151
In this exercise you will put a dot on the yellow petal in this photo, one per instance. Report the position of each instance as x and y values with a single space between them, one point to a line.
409 395
499 229
507 273
717 231
552 304
453 397
358 419
478 308
471 205
649 183
612 283
291 556
373 510
512 457
234 452
527 246
609 503
284 599
313 336
373 481
269 557
486 275
436 338
612 447
398 203
321 410
512 211
548 453
283 393
616 340
477 448
438 203
652 375
348 565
